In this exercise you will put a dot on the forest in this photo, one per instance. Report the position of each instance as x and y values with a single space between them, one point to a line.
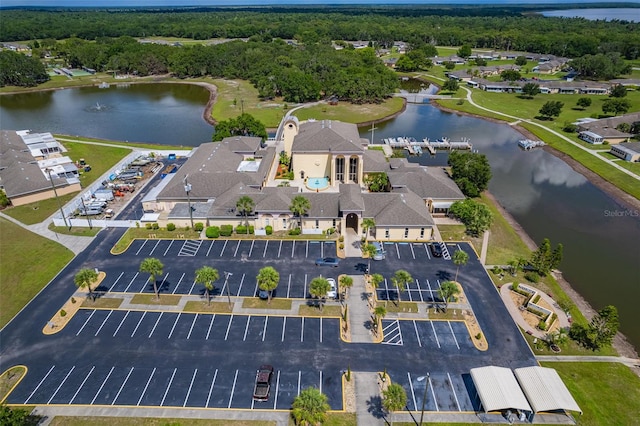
490 27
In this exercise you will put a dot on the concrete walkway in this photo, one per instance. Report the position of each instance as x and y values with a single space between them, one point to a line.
368 398
485 246
631 362
359 311
352 243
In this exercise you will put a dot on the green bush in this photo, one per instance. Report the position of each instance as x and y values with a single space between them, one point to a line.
63 313
268 229
171 227
341 246
341 239
569 128
148 226
155 226
497 270
226 230
242 229
532 276
295 231
542 325
198 227
478 336
212 232
330 231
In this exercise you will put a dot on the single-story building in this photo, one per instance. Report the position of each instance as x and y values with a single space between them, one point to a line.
628 151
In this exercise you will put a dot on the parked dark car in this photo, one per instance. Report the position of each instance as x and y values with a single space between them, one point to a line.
263 383
436 249
330 261
263 294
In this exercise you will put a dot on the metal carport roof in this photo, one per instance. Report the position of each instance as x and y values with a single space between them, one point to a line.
545 390
498 389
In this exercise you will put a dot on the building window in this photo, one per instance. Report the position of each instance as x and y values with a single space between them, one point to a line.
353 169
406 232
421 233
340 169
386 233
317 224
267 222
284 223
334 223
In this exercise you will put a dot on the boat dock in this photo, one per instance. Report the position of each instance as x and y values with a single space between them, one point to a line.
416 147
528 144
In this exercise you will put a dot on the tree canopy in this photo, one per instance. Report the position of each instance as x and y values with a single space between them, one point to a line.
17 69
476 216
242 125
471 172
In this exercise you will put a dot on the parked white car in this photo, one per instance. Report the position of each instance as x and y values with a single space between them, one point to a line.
332 293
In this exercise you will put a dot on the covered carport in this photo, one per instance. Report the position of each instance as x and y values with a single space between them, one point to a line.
499 390
545 390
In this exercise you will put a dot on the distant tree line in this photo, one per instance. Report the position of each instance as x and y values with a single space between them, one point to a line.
17 69
502 28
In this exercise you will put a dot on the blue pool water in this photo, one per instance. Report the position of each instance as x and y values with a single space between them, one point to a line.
317 183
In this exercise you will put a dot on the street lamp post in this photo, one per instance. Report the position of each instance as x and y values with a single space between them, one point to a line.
48 170
187 188
84 206
424 397
226 278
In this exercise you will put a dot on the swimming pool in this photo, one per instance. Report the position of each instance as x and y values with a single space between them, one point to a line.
317 184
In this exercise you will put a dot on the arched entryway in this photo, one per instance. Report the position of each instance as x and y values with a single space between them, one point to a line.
352 221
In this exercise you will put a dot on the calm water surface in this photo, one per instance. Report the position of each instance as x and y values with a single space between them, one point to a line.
622 14
545 195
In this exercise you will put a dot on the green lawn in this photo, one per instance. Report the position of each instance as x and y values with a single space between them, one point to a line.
608 394
350 113
76 230
213 307
151 299
144 421
123 143
569 348
38 211
276 303
21 278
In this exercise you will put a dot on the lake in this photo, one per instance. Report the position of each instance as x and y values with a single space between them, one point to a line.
543 193
621 14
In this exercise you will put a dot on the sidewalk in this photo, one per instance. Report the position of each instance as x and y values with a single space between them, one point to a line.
368 399
359 312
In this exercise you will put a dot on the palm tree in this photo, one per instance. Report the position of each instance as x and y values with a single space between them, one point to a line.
299 207
400 279
370 250
378 313
310 407
394 398
153 267
376 279
345 282
268 279
460 258
319 287
206 276
367 224
84 278
447 292
245 206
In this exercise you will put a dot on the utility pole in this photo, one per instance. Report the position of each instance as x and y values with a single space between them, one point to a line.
84 206
226 279
187 188
48 170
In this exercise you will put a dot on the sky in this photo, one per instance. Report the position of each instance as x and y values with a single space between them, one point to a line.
125 3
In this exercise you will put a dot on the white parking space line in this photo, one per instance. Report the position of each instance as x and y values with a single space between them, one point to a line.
306 250
409 292
240 288
131 282
458 245
233 388
156 324
210 325
415 327
251 249
39 384
60 385
413 394
453 334
140 249
435 334
192 286
264 329
223 247
146 386
264 253
154 248
103 323
122 386
223 287
190 386
253 401
426 249
166 391
85 323
412 252
192 324
174 325
304 295
116 281
139 322
81 385
228 327
454 392
320 387
284 325
178 285
320 329
167 250
120 325
397 250
102 385
279 248
210 247
433 392
302 331
396 337
386 287
289 286
293 247
299 377
255 290
275 397
162 283
321 249
213 382
198 244
246 328
419 290
235 253
430 290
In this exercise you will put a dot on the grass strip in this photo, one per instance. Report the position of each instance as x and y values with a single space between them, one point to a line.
150 421
391 307
38 211
21 277
9 379
151 299
255 303
214 307
102 303
314 311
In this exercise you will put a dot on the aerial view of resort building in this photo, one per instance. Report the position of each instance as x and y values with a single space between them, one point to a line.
317 214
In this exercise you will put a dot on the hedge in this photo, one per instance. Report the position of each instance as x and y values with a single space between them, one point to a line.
198 227
295 231
242 229
171 227
268 229
212 232
226 230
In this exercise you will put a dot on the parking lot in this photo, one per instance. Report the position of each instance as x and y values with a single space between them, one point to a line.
427 335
